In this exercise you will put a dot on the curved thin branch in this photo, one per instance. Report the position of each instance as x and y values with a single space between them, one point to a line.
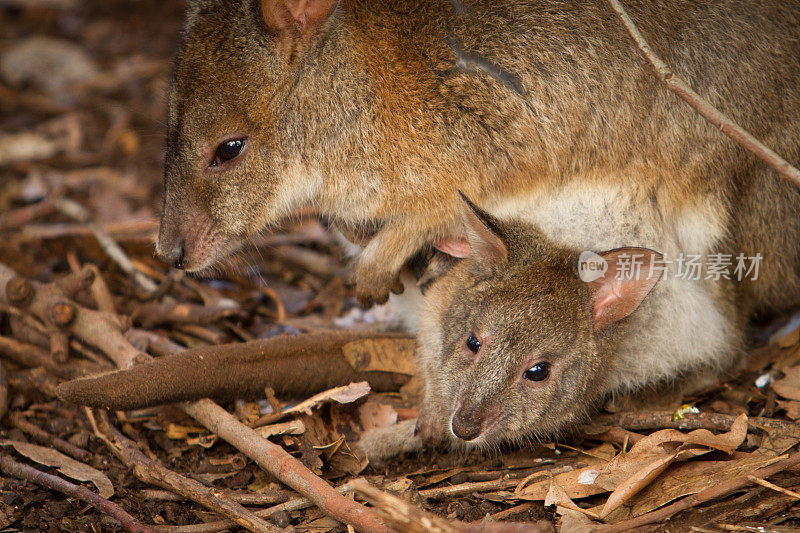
716 117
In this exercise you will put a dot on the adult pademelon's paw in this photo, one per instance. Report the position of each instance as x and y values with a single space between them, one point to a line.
373 287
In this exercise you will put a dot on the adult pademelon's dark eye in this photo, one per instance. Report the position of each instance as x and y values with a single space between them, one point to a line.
537 372
473 344
228 150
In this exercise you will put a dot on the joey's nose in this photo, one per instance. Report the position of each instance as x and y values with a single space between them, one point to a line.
179 261
174 255
466 425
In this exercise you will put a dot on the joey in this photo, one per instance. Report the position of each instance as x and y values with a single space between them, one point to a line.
520 339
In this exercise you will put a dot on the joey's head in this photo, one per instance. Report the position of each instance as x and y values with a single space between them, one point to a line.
230 165
516 345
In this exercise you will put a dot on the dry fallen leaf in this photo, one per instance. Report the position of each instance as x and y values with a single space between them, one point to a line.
684 479
792 409
630 472
66 465
179 432
293 427
789 385
575 522
346 394
643 477
643 458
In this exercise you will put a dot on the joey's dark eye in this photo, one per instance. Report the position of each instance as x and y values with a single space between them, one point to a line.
473 344
537 372
228 150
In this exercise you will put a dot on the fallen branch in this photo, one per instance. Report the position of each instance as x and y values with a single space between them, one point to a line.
245 498
645 420
719 119
773 486
32 475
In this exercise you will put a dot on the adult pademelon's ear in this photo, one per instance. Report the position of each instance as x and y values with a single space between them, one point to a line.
299 17
631 275
482 241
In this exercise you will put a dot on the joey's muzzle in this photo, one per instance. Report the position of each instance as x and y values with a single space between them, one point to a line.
470 421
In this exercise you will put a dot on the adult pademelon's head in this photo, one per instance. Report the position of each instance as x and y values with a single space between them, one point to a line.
231 166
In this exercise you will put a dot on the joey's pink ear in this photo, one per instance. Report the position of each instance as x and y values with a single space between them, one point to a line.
631 275
303 15
486 247
458 248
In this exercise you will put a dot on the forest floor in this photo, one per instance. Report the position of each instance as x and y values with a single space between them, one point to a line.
82 121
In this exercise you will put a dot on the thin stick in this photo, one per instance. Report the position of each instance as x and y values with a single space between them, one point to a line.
27 473
716 117
406 517
703 496
221 525
245 498
43 437
773 486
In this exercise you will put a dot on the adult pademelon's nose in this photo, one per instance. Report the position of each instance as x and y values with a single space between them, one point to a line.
466 425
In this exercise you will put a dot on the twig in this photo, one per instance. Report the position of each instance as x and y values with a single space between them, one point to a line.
109 245
513 511
403 516
153 314
221 525
725 124
773 486
468 488
27 473
245 498
150 471
712 493
645 420
31 356
43 437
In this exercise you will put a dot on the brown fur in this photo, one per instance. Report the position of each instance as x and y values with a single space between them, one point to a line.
289 367
367 116
533 307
